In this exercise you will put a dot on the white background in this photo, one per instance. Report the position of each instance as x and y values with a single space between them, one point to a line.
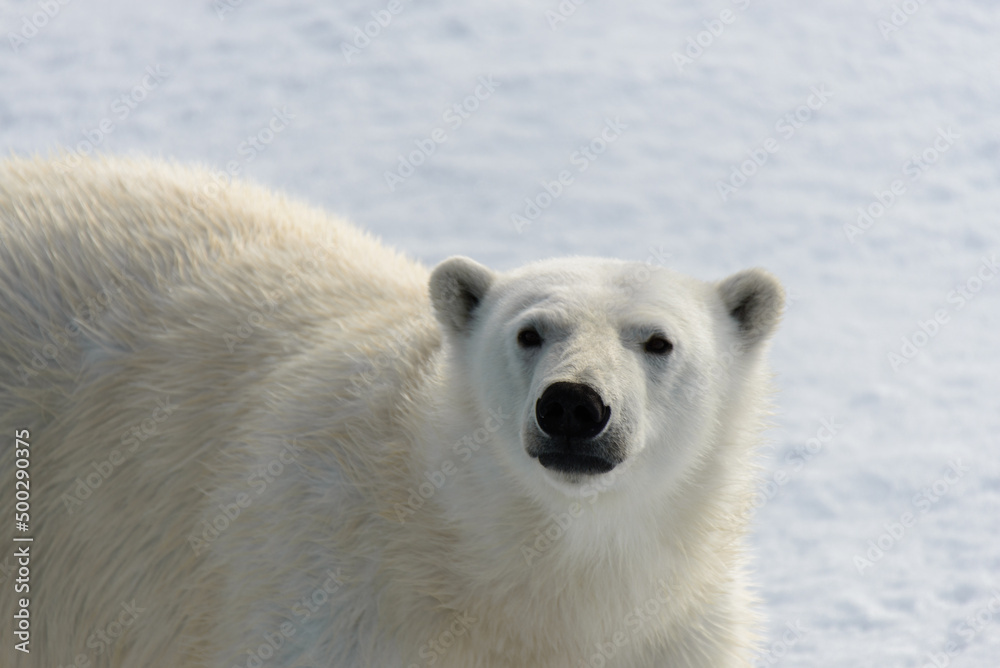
651 195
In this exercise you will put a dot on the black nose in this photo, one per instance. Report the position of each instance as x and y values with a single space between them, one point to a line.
571 410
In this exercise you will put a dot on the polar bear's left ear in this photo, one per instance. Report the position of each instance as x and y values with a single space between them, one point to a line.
754 299
457 286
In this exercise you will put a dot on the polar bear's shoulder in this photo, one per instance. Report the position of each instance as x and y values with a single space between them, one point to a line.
128 243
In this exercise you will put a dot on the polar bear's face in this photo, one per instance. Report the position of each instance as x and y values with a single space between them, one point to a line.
610 370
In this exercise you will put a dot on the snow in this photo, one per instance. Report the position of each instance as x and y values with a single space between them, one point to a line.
889 434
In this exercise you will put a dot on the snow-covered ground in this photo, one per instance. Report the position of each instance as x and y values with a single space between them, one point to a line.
879 534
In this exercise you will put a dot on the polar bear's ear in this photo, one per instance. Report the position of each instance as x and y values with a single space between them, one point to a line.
457 287
754 299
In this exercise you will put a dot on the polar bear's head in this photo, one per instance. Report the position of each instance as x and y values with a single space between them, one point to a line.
612 371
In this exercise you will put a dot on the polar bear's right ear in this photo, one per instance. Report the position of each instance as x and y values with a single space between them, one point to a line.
755 300
457 286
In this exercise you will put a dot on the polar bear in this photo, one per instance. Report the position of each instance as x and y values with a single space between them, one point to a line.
250 435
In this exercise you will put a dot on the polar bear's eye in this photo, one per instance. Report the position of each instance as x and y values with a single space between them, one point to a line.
529 338
658 345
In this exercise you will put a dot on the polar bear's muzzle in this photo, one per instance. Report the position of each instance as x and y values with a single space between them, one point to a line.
572 417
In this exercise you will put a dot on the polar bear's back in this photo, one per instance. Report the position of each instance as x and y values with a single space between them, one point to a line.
147 321
95 259
69 233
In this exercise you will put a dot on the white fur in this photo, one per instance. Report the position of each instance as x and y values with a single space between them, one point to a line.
346 379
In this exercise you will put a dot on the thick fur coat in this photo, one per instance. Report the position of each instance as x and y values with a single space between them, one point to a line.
258 437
